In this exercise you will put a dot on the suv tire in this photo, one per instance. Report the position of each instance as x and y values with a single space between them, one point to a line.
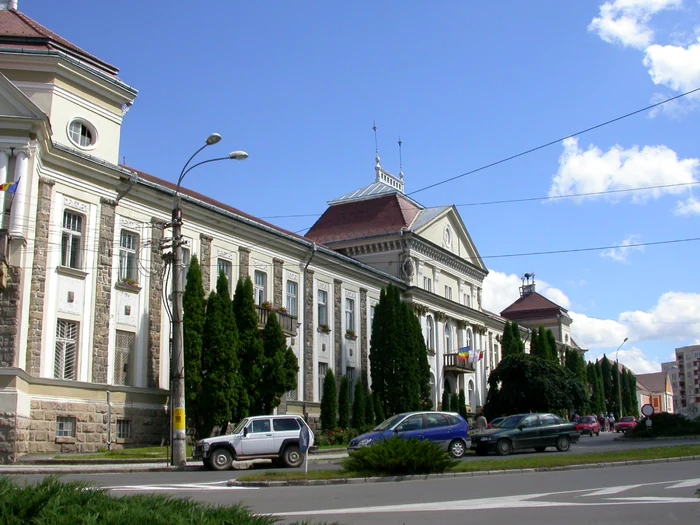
220 459
457 448
292 456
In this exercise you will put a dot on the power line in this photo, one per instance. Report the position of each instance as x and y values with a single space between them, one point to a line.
557 141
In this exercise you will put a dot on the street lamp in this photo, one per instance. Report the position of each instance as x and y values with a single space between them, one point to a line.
619 389
177 363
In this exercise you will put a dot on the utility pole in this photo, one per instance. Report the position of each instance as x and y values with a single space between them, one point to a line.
619 388
177 366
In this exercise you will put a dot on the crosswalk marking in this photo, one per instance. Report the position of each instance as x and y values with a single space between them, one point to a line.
174 487
612 490
685 484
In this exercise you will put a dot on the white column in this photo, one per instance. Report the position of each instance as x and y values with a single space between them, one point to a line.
18 217
4 196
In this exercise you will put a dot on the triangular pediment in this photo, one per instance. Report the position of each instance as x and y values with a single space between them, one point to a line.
14 103
444 227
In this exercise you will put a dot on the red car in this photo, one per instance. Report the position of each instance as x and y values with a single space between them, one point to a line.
588 425
626 423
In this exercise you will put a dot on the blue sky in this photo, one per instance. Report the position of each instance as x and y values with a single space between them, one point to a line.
299 84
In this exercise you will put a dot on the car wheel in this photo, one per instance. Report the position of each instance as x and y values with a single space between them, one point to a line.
563 443
221 459
481 451
503 447
292 456
457 448
540 449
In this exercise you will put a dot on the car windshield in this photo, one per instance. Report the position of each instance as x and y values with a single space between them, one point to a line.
587 419
626 419
497 422
510 422
387 424
239 427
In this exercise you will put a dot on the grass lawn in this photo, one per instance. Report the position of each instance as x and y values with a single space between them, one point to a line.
127 453
523 462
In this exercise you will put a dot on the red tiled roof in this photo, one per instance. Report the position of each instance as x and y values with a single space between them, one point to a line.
18 31
531 305
209 200
364 218
655 382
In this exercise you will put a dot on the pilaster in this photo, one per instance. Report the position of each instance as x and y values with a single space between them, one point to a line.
277 283
205 261
364 348
308 335
244 262
337 329
155 304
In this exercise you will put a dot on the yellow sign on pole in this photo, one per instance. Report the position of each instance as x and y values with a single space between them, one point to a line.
179 421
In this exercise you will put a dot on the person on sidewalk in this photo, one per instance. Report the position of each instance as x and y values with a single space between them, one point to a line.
481 422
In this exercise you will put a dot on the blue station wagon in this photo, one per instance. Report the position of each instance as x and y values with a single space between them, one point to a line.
447 429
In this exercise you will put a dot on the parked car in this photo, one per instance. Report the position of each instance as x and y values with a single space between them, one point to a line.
495 422
588 425
626 423
258 437
447 429
524 431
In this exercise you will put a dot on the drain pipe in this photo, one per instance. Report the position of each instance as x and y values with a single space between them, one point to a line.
314 248
109 420
133 179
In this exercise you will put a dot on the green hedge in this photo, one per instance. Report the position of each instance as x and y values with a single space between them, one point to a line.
667 425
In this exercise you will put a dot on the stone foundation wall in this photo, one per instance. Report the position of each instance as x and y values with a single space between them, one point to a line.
10 311
14 432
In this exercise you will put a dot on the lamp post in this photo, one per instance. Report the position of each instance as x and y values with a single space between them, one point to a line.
619 389
177 363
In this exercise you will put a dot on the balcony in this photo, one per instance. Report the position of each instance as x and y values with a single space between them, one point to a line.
288 323
452 363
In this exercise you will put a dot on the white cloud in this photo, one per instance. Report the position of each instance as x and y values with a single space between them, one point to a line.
594 170
677 67
634 359
690 206
620 254
501 290
626 21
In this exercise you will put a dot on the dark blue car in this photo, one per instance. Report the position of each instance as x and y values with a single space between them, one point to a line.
447 429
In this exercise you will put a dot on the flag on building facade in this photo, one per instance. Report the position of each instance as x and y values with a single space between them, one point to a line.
463 353
8 186
476 356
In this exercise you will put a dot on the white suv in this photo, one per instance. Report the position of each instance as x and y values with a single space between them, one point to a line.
258 437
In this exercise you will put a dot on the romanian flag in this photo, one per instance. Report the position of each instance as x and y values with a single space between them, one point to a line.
8 186
463 353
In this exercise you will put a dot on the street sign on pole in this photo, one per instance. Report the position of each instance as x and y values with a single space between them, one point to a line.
304 443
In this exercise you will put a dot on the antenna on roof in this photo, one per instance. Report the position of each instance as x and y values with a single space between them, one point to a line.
377 159
400 159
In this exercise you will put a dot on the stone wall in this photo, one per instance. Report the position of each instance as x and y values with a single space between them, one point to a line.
14 433
277 283
155 303
364 347
103 292
338 335
10 310
243 262
308 340
205 260
38 287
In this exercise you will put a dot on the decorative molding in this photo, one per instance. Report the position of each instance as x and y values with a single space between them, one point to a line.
260 265
350 294
77 205
224 254
292 276
448 259
128 223
440 316
71 272
419 308
322 286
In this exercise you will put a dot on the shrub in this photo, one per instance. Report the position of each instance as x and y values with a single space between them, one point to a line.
399 457
665 424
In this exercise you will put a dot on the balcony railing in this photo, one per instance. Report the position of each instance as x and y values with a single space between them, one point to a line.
453 363
288 323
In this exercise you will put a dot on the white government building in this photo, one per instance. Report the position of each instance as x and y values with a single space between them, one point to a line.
84 333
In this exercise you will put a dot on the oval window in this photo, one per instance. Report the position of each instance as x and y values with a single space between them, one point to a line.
81 133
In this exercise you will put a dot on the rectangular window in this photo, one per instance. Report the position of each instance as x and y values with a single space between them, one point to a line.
292 293
260 287
448 292
371 317
66 358
350 314
466 300
129 257
350 373
186 257
322 371
72 240
428 284
65 427
123 429
322 307
225 266
124 350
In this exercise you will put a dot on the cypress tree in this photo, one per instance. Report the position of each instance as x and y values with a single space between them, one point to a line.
625 387
601 387
250 345
596 397
507 341
380 342
454 402
358 406
535 346
370 419
446 398
462 404
329 403
606 372
344 403
279 366
616 391
378 410
518 343
552 347
634 400
194 317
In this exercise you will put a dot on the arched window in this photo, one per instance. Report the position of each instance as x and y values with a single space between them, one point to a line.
470 339
448 337
430 335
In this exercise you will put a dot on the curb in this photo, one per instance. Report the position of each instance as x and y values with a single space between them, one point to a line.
351 481
70 469
659 438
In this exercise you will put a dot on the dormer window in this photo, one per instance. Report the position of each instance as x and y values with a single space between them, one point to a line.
81 133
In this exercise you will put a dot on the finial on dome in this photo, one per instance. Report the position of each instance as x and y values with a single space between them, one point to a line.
400 160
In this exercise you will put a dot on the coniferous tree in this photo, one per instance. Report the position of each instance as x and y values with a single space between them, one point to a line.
222 391
616 389
446 398
462 404
370 418
279 366
517 342
358 406
625 387
378 410
601 387
596 398
507 340
344 403
454 402
250 345
329 403
606 372
543 342
535 346
634 400
552 347
194 317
